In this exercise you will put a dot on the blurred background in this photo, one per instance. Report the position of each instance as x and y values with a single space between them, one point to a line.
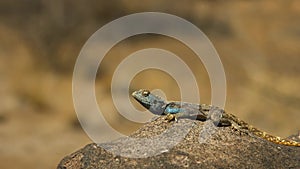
258 43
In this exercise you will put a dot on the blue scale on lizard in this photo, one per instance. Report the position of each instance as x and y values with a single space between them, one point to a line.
172 110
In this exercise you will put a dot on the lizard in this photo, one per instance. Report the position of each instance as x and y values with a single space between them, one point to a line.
175 110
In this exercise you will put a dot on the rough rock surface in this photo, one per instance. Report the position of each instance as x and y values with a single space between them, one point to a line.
204 146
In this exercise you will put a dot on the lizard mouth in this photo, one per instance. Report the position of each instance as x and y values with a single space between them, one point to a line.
136 96
146 105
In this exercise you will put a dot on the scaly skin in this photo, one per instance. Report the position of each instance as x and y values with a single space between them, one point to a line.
175 110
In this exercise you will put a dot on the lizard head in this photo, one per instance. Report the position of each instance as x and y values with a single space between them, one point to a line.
151 102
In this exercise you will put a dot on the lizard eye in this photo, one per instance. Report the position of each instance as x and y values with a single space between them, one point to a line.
145 93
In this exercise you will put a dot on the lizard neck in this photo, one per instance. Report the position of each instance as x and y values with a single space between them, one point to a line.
158 108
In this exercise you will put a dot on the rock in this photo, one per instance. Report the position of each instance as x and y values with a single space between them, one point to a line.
204 146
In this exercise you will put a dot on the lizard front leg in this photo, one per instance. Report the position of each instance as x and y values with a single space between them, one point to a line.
173 111
172 117
176 110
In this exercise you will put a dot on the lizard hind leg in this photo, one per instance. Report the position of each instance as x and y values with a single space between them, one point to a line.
243 129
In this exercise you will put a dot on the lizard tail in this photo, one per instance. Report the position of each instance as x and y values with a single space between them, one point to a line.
246 127
274 139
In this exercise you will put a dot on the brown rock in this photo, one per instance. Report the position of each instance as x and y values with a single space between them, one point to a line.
204 146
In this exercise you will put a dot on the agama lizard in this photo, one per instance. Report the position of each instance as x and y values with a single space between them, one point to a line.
175 110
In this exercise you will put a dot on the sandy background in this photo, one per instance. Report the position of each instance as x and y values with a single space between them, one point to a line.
258 43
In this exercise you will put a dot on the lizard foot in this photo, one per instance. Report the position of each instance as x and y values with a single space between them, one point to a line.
171 117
